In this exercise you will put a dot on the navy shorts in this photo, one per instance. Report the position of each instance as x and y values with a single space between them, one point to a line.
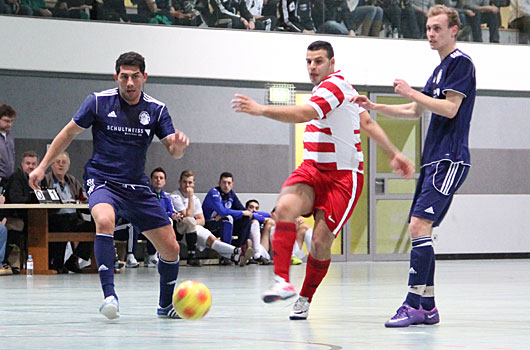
436 186
135 203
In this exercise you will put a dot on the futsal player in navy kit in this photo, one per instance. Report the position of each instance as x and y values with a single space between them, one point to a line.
124 121
450 95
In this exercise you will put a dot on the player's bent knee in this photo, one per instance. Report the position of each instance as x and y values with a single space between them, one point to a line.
419 227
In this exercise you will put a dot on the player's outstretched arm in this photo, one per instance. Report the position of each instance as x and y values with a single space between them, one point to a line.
59 145
286 114
401 164
176 144
447 107
406 110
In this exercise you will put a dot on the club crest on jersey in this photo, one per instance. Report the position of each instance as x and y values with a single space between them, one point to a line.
144 118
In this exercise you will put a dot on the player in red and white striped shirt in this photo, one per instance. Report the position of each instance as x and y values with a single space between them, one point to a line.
329 181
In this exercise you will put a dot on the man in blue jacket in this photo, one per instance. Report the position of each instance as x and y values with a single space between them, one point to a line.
224 212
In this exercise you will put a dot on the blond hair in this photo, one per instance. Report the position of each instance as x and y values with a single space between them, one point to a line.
452 15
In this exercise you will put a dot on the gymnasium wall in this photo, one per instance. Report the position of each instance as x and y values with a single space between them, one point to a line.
49 66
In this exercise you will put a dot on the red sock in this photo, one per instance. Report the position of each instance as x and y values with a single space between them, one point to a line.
314 274
282 247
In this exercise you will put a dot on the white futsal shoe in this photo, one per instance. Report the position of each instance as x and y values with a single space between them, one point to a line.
300 309
110 308
131 262
281 290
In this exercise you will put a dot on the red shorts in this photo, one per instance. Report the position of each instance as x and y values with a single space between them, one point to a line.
336 191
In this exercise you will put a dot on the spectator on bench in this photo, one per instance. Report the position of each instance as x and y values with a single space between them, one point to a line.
189 205
224 212
520 19
69 190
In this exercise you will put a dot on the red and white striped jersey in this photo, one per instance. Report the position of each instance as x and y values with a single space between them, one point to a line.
333 139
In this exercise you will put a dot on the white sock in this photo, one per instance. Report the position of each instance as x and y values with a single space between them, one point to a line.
265 254
226 250
307 239
255 237
297 251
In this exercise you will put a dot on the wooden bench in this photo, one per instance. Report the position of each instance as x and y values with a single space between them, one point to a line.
39 237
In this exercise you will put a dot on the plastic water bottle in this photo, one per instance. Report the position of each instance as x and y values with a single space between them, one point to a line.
29 266
395 33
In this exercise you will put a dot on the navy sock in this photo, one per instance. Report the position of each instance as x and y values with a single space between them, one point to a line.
420 261
104 252
169 271
228 229
427 299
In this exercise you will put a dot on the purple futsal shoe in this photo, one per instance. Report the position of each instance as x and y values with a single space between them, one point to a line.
431 317
405 316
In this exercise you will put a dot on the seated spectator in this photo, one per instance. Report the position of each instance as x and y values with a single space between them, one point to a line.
40 9
400 16
7 143
259 221
158 181
296 16
191 225
5 269
482 11
304 233
112 10
231 14
188 12
14 7
263 22
421 7
464 29
73 9
18 191
520 19
151 11
224 213
69 190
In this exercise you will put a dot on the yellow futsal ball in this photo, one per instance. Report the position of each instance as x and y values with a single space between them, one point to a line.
192 300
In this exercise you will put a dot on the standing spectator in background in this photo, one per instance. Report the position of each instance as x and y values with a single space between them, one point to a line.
482 11
7 143
5 269
520 19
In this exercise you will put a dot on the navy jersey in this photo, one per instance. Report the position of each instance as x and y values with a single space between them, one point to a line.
448 138
217 202
121 134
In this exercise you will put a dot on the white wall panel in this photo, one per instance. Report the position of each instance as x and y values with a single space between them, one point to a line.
83 47
485 224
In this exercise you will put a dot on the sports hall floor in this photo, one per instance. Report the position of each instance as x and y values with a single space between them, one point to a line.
484 304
